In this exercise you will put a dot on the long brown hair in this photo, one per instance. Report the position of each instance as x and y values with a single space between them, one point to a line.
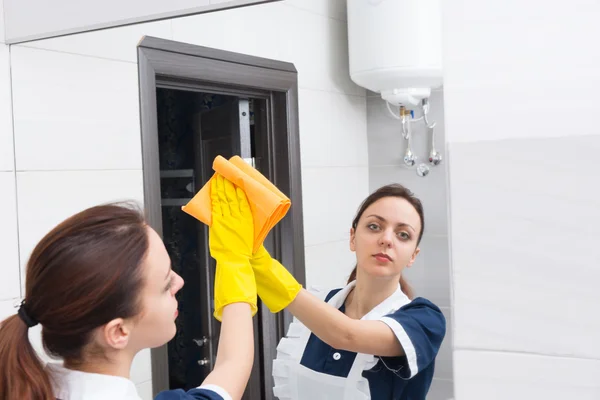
392 190
80 276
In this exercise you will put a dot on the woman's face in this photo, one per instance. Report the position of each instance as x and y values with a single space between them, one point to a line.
385 238
156 324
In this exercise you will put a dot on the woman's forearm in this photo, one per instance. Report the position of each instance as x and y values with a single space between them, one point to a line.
326 322
342 332
235 354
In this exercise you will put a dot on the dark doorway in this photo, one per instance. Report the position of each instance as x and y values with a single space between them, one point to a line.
193 128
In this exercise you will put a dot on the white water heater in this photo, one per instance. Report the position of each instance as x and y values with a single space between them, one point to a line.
395 48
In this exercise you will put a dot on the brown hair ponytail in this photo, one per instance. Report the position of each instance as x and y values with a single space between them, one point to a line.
23 374
80 276
393 190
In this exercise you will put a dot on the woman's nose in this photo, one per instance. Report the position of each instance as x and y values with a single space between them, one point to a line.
386 238
178 284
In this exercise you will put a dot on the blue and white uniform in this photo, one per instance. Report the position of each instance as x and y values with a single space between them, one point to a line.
77 385
308 368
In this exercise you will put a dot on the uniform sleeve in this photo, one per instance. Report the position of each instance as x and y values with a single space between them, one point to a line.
207 392
420 328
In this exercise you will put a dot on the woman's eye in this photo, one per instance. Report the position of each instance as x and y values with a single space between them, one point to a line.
373 227
403 235
169 285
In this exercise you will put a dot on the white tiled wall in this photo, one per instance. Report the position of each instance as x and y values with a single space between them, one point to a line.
145 390
113 44
48 197
500 376
544 65
39 19
329 8
521 127
7 162
83 108
546 219
9 247
7 308
2 35
79 93
329 264
141 373
333 127
326 189
430 274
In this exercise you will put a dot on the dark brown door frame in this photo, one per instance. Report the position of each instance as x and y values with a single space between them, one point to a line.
168 63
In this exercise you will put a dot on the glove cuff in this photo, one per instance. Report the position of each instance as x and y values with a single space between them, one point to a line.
234 283
276 286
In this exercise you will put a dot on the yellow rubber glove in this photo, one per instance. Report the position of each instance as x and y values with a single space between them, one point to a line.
231 236
276 287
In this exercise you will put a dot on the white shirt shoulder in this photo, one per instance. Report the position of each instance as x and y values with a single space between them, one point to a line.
76 385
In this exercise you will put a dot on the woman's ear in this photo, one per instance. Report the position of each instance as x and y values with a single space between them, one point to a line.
414 257
352 239
116 334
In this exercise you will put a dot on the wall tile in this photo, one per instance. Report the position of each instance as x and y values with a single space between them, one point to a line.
437 269
7 161
116 43
320 53
237 30
84 109
525 229
332 129
47 198
237 2
145 390
8 308
328 265
537 79
329 8
331 197
443 362
441 389
2 36
9 245
141 369
500 376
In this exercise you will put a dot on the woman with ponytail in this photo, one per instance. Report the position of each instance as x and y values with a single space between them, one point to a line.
101 286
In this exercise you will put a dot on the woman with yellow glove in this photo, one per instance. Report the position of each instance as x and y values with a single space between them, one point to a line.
101 286
370 339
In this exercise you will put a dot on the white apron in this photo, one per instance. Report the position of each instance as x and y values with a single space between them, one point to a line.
296 382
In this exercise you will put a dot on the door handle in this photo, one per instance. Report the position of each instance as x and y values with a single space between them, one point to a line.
204 362
200 342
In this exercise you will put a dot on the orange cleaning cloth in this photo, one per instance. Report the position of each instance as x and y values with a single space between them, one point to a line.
267 204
